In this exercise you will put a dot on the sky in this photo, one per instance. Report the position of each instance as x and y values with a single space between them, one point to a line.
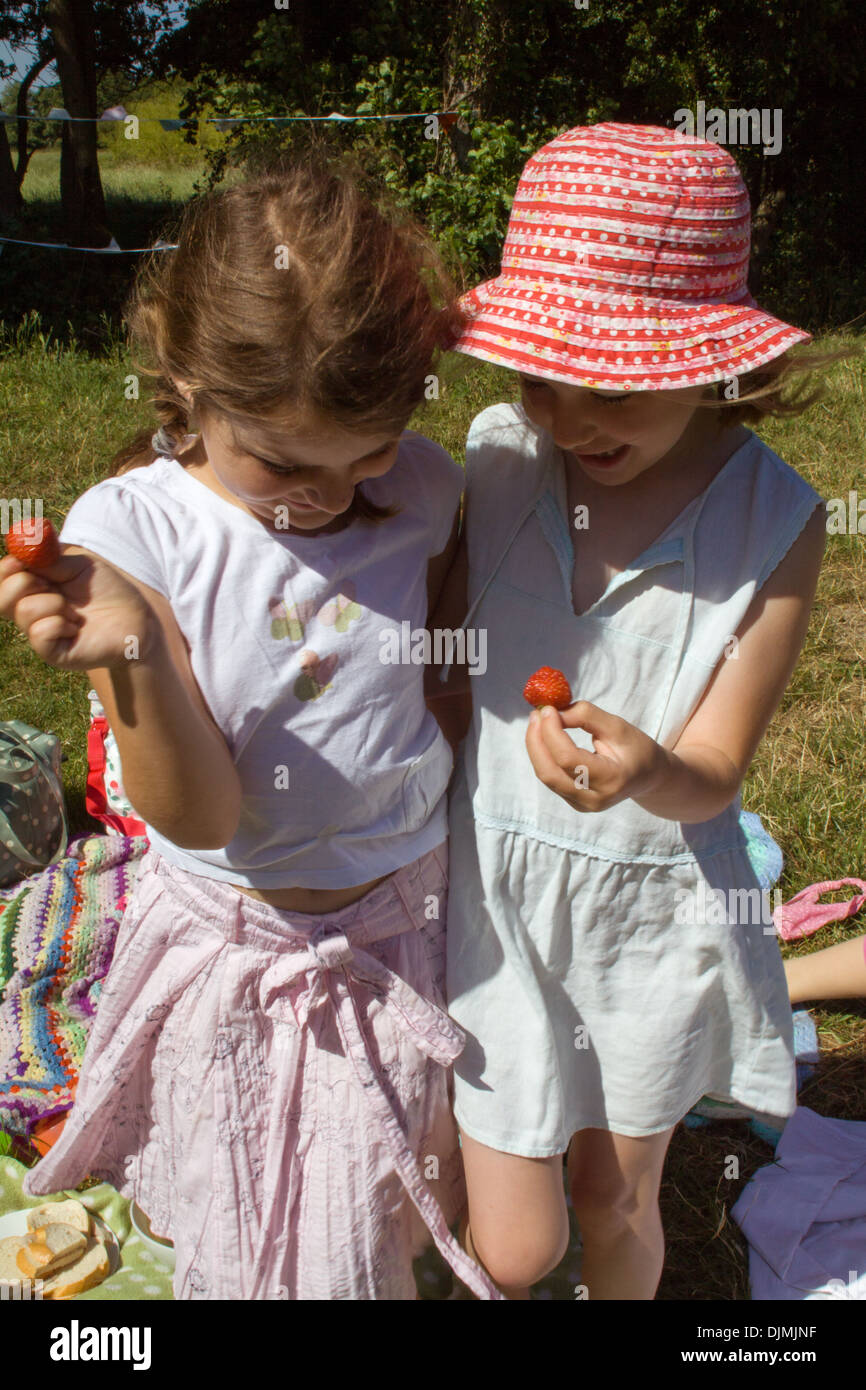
23 58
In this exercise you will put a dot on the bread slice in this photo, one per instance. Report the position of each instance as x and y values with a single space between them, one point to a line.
49 1249
10 1274
88 1270
70 1213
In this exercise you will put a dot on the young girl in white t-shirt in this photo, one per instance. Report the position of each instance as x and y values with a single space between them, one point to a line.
268 1074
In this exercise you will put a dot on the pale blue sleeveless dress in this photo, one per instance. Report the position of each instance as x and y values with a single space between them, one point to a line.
597 987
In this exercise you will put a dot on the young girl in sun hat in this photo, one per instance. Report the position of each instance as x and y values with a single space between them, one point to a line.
624 527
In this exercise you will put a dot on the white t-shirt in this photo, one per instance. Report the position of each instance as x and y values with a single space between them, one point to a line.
342 767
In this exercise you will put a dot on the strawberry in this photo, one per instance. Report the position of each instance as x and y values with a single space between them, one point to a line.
547 687
35 544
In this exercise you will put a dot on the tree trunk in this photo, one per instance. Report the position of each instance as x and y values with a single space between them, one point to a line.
81 193
461 76
10 194
21 107
764 225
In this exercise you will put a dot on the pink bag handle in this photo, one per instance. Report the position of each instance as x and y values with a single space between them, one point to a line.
803 914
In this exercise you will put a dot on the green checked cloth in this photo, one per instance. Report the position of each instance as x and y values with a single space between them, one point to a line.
142 1274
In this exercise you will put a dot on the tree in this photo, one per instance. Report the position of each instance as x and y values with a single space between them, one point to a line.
22 27
72 27
10 193
21 104
86 38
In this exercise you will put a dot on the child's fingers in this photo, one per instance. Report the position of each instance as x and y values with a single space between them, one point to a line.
9 565
585 779
566 754
34 607
48 625
556 766
540 755
596 721
15 583
68 567
49 637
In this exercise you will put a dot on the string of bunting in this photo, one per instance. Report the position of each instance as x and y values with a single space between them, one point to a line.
119 113
111 249
446 119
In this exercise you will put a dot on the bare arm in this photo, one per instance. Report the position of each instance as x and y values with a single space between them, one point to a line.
696 779
837 972
705 769
83 614
178 772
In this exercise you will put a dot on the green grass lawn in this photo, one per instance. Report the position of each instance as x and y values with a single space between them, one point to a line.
63 413
136 183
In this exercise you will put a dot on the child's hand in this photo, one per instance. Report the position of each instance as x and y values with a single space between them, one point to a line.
626 763
78 614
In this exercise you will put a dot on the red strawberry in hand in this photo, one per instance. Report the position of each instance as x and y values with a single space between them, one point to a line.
35 544
548 687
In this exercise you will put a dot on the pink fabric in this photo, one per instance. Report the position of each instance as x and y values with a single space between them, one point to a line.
803 914
274 1089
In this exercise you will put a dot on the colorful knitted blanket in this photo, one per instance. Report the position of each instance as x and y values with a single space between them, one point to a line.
57 934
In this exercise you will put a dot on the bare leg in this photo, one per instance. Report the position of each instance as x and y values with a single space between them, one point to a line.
518 1221
838 972
614 1182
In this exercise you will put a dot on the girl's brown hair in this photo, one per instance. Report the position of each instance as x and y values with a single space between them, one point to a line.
291 291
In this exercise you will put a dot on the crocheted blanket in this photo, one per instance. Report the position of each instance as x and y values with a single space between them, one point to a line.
57 935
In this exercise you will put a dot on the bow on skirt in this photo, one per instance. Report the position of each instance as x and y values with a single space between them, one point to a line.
326 972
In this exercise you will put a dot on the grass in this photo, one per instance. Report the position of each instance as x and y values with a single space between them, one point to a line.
135 185
63 413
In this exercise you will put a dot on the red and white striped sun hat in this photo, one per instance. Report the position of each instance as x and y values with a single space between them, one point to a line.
624 267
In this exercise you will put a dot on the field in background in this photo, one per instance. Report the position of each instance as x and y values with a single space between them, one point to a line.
122 181
63 413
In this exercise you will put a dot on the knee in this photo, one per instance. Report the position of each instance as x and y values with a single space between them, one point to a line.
610 1206
521 1260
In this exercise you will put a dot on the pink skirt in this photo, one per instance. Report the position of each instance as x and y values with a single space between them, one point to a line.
274 1089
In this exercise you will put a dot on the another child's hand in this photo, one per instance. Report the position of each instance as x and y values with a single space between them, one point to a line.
626 763
78 614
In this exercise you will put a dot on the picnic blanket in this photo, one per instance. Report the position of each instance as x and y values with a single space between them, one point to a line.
57 935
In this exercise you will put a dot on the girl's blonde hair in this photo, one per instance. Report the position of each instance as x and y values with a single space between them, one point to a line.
781 387
291 291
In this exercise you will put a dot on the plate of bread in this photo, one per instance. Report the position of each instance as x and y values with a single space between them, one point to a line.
55 1250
